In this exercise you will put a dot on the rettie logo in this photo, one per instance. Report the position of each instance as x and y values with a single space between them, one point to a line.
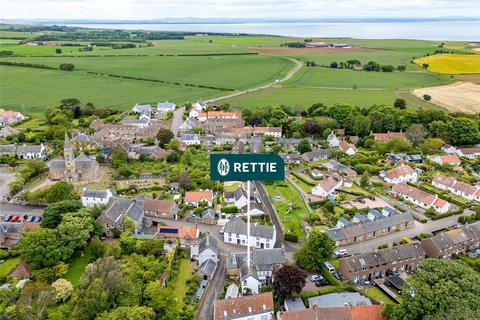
223 167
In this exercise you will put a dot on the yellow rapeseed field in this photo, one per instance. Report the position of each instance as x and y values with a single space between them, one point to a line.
452 63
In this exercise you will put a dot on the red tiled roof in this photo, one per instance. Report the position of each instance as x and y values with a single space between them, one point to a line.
415 193
344 145
328 183
198 196
159 205
387 136
243 306
399 171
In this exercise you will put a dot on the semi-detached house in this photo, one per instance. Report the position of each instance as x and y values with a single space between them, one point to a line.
457 241
421 198
377 264
262 237
459 188
327 186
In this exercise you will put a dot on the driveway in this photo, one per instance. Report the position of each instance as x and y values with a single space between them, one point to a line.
431 226
177 120
214 289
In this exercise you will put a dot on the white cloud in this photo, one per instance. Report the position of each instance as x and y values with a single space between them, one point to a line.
150 9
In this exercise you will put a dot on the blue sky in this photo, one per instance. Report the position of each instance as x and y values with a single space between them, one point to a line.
280 9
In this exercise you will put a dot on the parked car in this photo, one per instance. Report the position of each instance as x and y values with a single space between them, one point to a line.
321 283
38 218
371 197
31 219
222 230
316 277
338 276
329 267
15 219
341 253
8 217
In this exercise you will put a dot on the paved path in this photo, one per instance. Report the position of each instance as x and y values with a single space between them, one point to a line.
6 176
206 307
302 193
20 210
290 74
430 226
177 120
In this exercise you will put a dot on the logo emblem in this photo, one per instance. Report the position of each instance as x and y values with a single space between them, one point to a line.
223 167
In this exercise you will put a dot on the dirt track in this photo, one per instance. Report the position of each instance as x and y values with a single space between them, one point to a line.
286 51
460 96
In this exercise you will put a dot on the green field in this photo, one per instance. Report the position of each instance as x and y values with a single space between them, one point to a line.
336 78
283 194
244 41
235 72
302 97
38 89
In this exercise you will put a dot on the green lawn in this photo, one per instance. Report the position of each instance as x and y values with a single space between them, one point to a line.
230 72
287 193
338 78
304 186
377 294
244 41
180 286
8 266
77 267
38 89
301 98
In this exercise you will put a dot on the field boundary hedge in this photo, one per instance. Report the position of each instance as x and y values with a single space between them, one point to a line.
27 65
299 177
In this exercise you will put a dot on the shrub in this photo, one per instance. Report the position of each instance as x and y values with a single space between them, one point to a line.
291 237
231 209
67 67
427 97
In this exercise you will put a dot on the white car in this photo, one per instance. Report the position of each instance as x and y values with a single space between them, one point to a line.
316 277
341 253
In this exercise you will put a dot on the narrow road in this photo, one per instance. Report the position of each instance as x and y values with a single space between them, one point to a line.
288 76
430 226
279 242
214 288
177 120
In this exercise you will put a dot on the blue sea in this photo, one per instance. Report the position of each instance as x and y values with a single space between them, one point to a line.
449 30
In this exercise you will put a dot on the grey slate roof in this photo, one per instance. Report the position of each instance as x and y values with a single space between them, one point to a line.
451 238
360 229
245 272
339 300
90 193
208 242
294 304
118 206
81 137
320 153
385 256
264 259
208 267
21 149
8 148
238 226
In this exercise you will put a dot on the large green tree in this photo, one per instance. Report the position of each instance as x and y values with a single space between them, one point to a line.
128 313
52 216
437 288
42 248
314 251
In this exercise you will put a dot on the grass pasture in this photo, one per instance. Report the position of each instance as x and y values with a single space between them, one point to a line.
232 72
8 266
452 63
343 78
303 97
38 89
77 267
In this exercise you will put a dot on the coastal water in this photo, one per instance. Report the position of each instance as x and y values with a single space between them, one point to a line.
450 30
